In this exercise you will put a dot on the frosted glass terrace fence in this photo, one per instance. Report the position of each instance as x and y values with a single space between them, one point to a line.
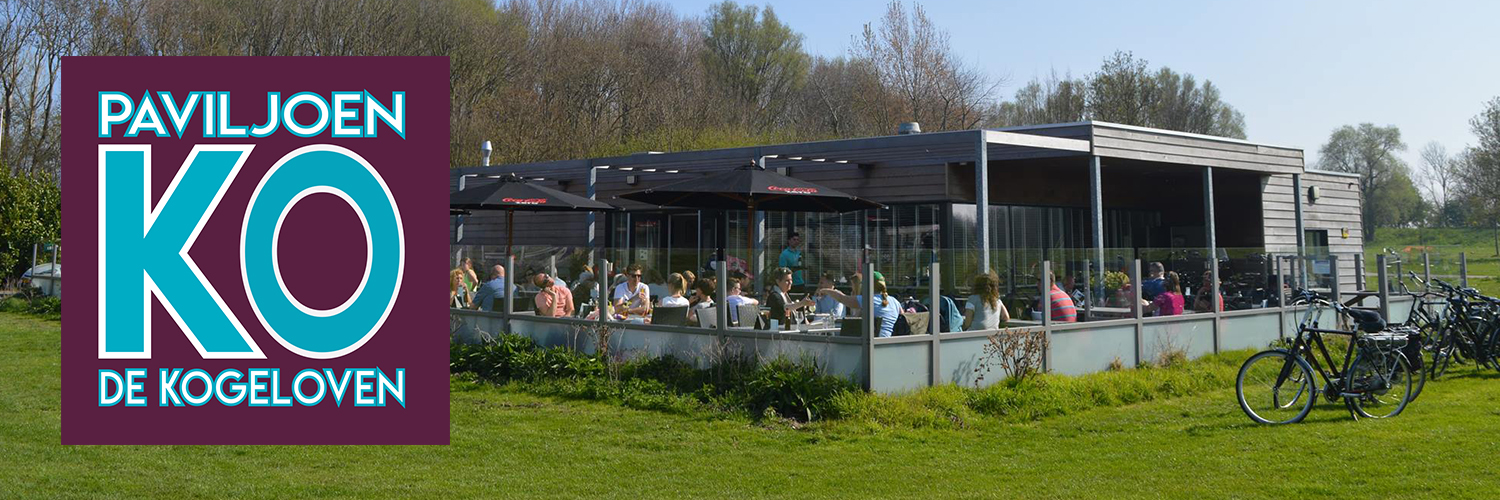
929 356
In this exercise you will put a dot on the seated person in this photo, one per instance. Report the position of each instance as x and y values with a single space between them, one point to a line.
458 296
703 298
1060 303
552 300
632 298
825 304
886 307
984 310
1169 302
676 285
1201 301
491 290
1154 283
783 309
735 300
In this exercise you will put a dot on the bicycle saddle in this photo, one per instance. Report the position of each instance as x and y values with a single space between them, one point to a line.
1369 321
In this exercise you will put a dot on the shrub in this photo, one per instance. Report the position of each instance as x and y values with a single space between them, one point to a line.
790 389
44 307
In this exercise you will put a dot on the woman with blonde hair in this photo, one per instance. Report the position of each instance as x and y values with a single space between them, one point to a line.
458 292
983 310
676 285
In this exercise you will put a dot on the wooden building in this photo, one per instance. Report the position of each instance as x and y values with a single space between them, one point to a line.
1087 195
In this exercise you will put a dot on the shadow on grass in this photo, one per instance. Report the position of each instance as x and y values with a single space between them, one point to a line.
1323 415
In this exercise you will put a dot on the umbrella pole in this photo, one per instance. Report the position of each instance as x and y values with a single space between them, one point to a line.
750 244
510 232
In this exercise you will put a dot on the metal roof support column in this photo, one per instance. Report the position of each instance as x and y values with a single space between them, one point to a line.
1301 232
759 259
982 200
593 239
1212 287
1096 226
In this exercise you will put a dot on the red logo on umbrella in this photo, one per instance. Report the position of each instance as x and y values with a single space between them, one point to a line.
526 201
801 190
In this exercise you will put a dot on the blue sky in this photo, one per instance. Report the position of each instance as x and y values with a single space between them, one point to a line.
1297 70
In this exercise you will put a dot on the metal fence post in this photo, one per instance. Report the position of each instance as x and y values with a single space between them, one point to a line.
1280 298
934 324
601 286
1045 304
1385 287
1135 308
1359 272
510 290
1333 271
1463 269
867 314
1426 271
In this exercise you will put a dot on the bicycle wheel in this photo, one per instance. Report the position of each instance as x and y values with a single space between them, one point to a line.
1419 380
1380 384
1275 387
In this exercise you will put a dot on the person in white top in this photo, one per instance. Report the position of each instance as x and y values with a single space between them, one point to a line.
632 298
983 310
676 284
735 300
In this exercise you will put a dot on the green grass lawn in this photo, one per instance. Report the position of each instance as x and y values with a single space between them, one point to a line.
509 444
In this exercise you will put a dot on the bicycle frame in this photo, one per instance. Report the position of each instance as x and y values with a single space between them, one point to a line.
1308 334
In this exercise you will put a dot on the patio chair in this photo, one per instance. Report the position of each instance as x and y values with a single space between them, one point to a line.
751 311
708 318
670 316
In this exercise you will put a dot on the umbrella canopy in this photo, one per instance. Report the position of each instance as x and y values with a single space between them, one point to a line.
514 193
754 188
751 187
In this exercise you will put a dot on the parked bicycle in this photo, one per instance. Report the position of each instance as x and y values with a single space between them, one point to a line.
1467 329
1278 386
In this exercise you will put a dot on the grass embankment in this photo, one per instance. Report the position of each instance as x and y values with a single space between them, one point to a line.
790 389
508 443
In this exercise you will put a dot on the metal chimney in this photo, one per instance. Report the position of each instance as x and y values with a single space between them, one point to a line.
909 128
487 149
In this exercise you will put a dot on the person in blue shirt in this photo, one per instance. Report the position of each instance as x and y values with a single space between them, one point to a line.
791 258
1155 282
493 289
825 304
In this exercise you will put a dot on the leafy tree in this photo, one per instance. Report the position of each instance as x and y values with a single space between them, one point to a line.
1369 151
1397 203
1125 90
1053 100
754 58
1478 170
30 212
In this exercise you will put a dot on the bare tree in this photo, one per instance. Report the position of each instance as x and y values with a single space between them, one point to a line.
1437 177
917 67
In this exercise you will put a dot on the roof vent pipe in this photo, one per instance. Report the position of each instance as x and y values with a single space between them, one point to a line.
909 128
486 149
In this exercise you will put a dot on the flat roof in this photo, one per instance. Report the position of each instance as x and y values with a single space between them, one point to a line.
1081 139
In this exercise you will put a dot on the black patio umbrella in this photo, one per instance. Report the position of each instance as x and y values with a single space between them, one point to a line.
753 188
511 193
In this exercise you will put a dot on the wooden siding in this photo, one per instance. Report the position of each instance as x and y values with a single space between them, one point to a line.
1336 210
1118 141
